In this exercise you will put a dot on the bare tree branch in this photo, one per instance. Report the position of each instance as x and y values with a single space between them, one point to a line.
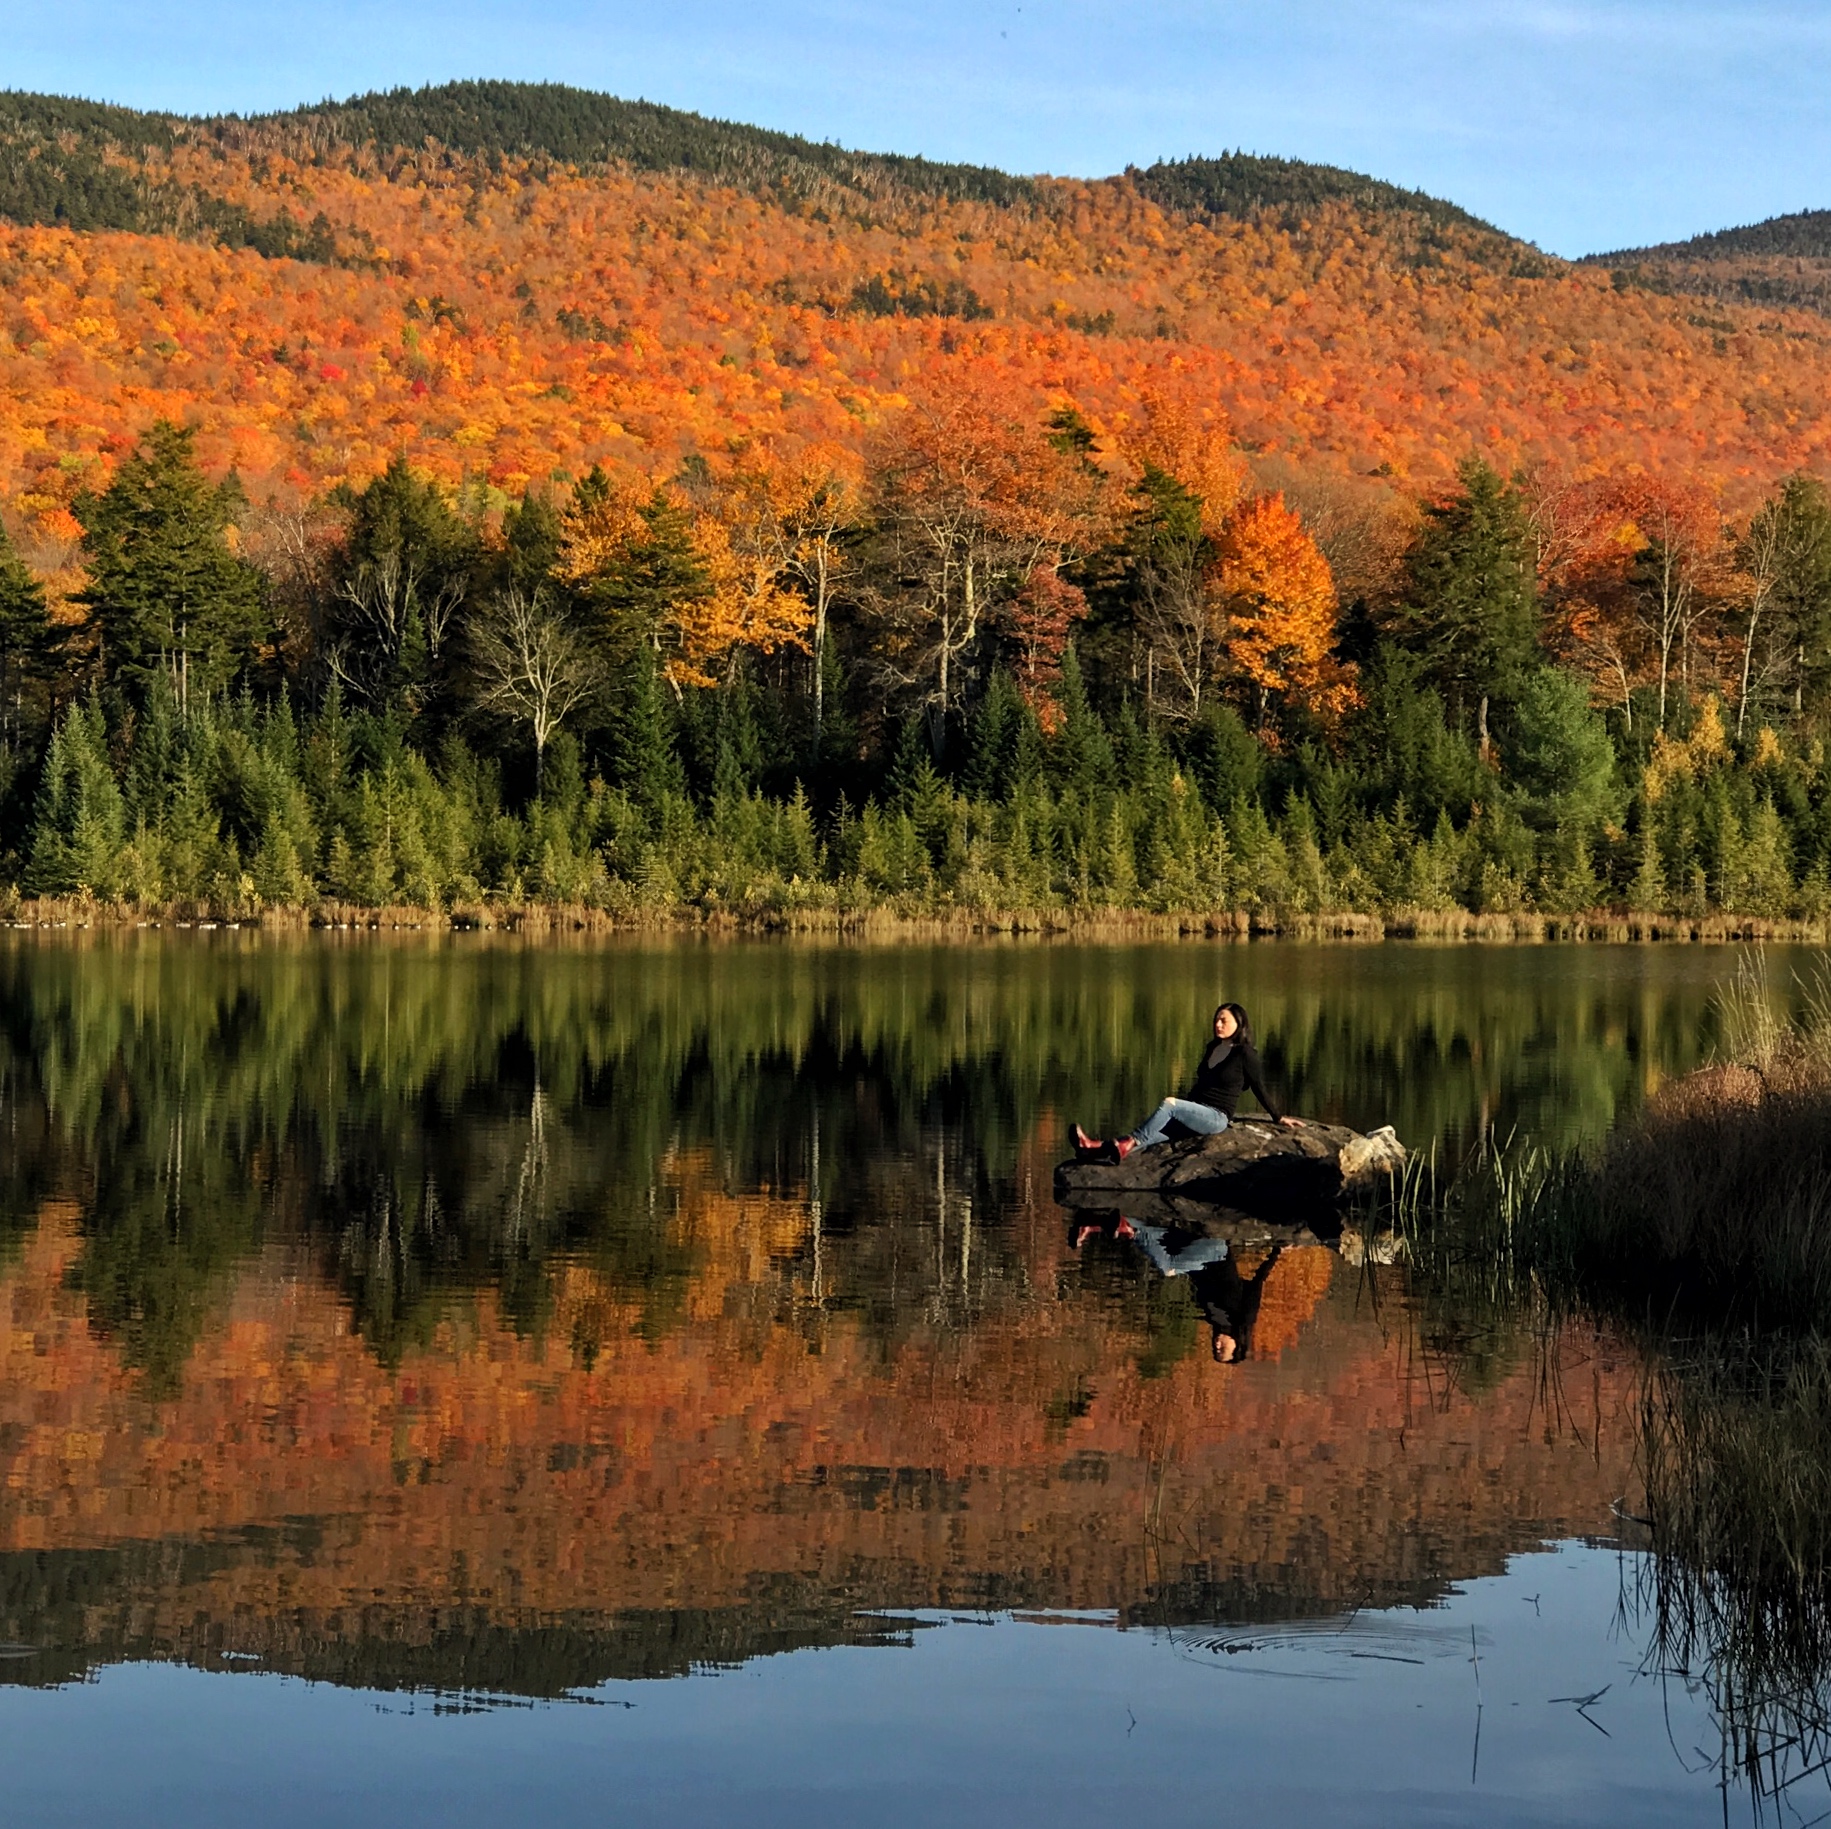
530 665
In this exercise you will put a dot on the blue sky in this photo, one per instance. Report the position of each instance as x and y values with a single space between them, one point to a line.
1581 124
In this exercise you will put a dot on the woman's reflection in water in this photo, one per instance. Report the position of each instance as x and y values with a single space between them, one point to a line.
1229 1302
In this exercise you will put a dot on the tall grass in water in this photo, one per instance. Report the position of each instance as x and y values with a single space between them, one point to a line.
1718 1194
1704 1225
1736 1594
1709 1207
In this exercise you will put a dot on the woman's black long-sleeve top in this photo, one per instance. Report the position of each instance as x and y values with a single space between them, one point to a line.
1227 1069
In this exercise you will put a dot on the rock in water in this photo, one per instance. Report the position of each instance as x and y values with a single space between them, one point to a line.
1253 1165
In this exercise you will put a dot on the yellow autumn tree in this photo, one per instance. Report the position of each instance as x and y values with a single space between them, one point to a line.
696 578
1192 443
1278 601
743 533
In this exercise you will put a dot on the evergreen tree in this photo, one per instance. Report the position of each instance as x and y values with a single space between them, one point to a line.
640 738
650 575
405 571
82 819
167 594
993 739
1802 516
1471 593
1082 753
1227 761
531 531
1406 748
1561 758
25 644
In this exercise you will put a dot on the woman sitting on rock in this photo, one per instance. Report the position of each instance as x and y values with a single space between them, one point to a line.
1230 1064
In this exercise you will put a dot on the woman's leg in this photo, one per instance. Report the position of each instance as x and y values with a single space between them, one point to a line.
1198 1254
1153 1128
1201 1118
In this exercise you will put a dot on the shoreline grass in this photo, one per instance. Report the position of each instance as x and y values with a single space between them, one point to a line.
1710 1207
918 922
1701 1228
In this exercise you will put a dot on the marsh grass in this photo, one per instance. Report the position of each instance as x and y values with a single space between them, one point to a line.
1736 1595
1702 1228
1710 1207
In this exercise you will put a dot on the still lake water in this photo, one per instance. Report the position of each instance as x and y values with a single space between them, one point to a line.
450 1381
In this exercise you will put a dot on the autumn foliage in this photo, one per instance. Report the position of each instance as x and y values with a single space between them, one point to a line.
1281 610
501 321
1330 557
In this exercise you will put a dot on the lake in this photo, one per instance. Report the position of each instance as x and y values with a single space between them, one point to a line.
455 1381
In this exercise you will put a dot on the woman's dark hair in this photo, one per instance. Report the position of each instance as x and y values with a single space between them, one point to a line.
1242 1029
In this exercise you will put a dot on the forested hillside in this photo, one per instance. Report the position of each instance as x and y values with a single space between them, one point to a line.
501 491
1784 261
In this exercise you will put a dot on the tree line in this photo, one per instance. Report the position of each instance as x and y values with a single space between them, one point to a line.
995 662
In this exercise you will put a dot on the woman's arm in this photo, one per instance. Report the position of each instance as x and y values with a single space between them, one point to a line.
1255 1078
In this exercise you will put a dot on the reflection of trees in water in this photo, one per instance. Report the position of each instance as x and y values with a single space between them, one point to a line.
70 1611
432 1117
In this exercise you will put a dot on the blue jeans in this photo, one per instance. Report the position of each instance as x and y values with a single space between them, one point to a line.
1198 1254
1203 1119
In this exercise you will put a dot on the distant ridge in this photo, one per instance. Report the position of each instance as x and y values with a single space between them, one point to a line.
1783 262
1242 184
1803 235
583 127
60 171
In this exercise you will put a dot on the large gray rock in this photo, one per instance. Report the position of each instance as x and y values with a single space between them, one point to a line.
1253 1165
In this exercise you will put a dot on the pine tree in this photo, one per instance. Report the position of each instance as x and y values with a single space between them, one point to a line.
1561 758
1082 752
531 536
82 821
642 757
25 643
1471 593
649 577
404 574
166 593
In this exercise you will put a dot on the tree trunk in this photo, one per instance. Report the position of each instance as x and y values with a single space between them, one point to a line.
1748 656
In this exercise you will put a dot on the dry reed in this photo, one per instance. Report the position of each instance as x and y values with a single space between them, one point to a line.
913 919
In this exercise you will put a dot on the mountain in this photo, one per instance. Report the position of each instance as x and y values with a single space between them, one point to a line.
511 282
1784 261
67 165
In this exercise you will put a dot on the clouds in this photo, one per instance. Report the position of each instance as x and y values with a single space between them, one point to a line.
1581 124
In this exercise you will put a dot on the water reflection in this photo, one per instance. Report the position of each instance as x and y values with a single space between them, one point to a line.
498 1320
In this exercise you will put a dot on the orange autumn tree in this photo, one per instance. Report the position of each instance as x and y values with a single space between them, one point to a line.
1193 442
1189 478
972 500
1280 607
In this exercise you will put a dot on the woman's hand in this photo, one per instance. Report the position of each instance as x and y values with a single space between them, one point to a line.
1294 1123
